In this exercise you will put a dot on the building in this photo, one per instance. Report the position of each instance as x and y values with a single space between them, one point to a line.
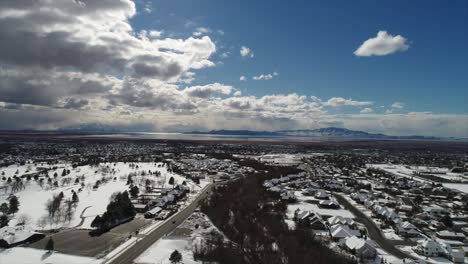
363 249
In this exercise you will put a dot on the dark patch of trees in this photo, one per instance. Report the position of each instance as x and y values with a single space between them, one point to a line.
175 257
253 219
120 209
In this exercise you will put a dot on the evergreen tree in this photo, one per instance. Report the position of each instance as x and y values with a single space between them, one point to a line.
75 198
4 221
4 208
175 257
14 205
134 191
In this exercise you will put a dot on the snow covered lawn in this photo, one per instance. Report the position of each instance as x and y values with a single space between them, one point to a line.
160 252
20 255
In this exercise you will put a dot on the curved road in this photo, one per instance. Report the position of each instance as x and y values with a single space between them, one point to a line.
137 249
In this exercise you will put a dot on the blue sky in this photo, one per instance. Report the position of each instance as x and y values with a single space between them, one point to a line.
393 67
311 43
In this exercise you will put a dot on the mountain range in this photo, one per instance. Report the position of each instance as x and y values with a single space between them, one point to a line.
320 132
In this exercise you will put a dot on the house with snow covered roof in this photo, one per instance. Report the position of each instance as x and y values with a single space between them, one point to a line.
329 204
407 229
288 196
340 220
339 232
322 195
429 248
363 249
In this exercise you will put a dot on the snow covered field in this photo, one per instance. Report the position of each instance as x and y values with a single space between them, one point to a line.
160 252
314 208
408 171
459 186
92 201
20 255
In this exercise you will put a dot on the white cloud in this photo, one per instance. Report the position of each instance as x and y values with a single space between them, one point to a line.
265 76
397 105
224 54
148 7
340 101
367 110
382 44
246 52
199 31
155 33
242 78
205 91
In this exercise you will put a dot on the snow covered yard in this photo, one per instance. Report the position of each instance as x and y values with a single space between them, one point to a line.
21 255
160 252
188 234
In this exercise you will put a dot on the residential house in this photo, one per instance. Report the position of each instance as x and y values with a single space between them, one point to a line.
363 249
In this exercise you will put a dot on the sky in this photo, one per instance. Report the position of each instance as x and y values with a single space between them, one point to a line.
393 67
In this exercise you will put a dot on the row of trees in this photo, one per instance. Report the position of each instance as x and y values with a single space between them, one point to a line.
118 210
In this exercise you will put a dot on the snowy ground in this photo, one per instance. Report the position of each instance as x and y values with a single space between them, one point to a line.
160 252
399 170
408 171
458 186
189 233
20 255
431 260
34 197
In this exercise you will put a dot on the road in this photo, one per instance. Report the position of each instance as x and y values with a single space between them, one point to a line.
136 250
373 230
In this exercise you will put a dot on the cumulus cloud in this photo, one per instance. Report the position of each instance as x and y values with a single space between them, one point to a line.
51 50
242 78
340 101
367 110
155 33
382 44
397 105
205 91
246 52
265 76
